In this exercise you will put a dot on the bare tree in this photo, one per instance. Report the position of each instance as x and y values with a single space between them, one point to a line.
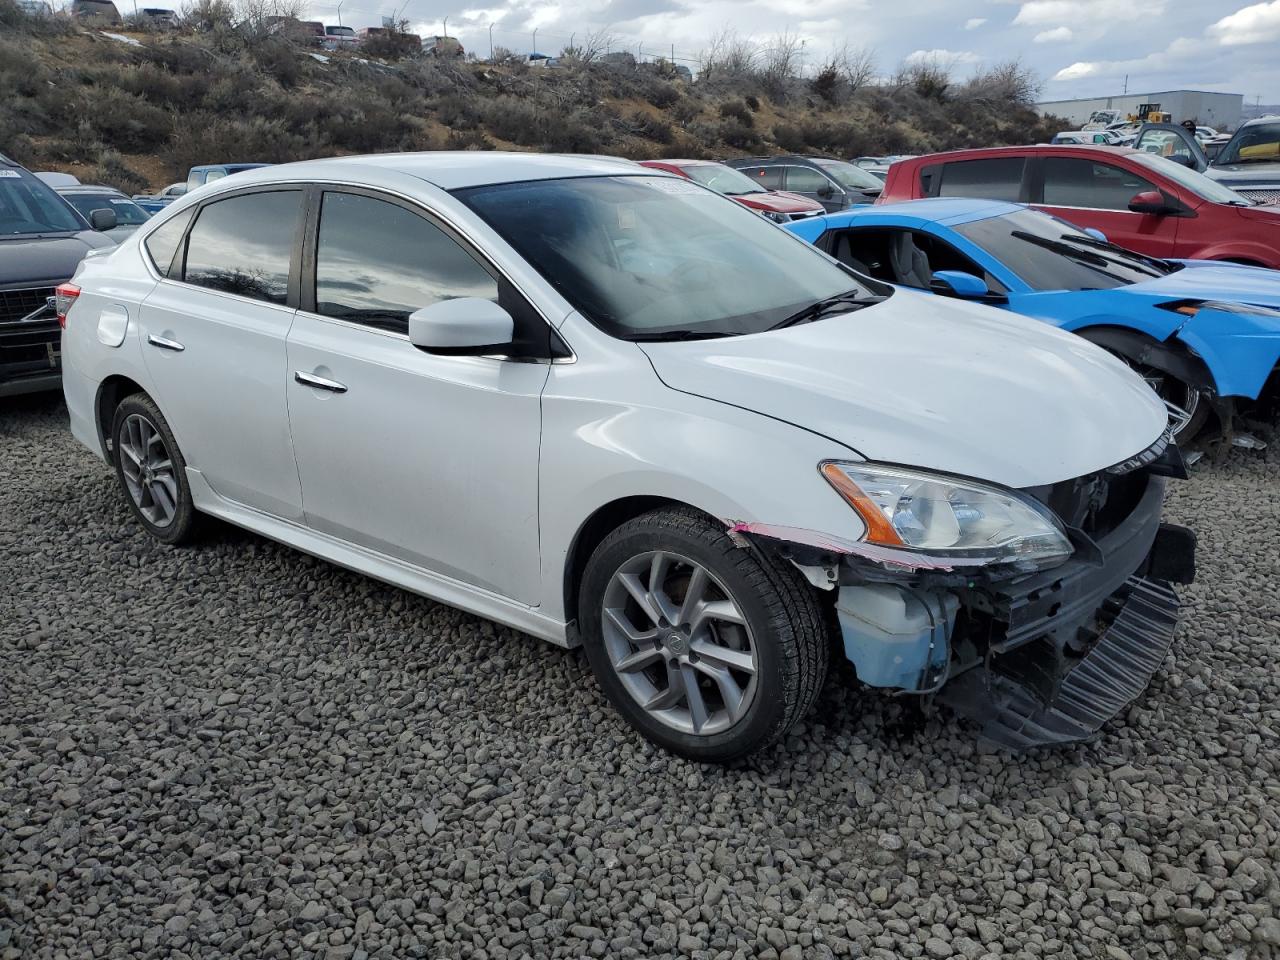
257 17
592 47
858 67
729 56
780 61
1009 82
843 73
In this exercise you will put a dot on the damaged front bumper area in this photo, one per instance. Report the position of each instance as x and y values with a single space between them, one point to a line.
1035 659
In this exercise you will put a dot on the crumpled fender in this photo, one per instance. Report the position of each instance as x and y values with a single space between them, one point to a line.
1241 349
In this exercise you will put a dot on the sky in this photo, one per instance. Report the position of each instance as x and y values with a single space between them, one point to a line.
1080 47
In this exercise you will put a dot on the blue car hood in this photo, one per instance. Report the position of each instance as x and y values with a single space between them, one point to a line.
1213 280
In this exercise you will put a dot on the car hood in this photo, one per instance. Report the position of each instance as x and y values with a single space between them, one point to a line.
1245 174
39 259
1215 280
933 383
779 202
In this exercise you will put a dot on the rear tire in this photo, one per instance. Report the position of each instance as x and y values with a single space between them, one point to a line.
709 650
152 471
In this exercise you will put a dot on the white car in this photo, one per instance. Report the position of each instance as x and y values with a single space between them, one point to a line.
607 406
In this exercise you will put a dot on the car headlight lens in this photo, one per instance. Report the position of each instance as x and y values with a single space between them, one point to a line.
967 522
1189 308
774 216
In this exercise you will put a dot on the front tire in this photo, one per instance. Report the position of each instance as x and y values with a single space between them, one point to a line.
709 650
152 471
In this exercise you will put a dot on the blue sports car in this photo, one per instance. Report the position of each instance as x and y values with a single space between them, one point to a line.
1205 334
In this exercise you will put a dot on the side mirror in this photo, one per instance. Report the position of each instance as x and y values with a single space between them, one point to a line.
957 283
826 191
102 220
1149 201
464 326
1095 233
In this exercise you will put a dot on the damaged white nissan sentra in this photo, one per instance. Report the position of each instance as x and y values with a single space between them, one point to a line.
608 406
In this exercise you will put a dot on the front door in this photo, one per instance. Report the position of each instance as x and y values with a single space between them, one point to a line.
1092 193
429 459
814 185
213 336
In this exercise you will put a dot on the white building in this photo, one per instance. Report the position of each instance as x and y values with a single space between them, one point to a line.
1219 110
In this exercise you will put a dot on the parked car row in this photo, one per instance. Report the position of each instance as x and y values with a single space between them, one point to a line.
707 451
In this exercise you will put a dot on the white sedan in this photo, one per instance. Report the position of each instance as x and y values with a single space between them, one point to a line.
610 407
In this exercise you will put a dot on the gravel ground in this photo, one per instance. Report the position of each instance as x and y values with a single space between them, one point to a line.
236 750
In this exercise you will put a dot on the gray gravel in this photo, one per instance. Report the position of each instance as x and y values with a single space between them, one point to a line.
236 750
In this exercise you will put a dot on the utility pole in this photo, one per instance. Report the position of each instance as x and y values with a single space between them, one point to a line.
640 52
535 40
445 28
490 41
340 3
1126 83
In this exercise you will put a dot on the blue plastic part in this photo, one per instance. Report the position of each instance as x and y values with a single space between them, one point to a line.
896 637
1240 350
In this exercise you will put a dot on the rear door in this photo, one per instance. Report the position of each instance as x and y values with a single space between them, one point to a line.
815 185
213 335
1095 193
987 178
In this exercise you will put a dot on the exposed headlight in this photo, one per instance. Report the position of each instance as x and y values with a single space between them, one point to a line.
965 522
1189 308
774 216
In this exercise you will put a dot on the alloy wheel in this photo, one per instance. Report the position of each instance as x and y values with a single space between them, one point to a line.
148 470
1181 398
679 643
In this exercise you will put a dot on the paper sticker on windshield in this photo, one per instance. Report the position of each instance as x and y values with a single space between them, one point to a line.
676 185
10 175
626 216
121 202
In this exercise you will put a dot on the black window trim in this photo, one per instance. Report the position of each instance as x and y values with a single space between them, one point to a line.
179 263
1026 188
307 265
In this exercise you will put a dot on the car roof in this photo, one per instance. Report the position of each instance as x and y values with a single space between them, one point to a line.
978 152
676 162
457 169
948 211
87 188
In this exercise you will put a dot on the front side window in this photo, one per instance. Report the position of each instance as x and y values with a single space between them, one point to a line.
1051 254
244 245
377 262
849 176
127 212
1259 143
1206 188
27 205
804 180
1165 143
647 257
1075 182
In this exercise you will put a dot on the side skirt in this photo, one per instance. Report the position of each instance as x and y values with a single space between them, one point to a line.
379 566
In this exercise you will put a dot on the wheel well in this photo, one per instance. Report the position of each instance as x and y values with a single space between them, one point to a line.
1243 261
1169 355
598 526
110 393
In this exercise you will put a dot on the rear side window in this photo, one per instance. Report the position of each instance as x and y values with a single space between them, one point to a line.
163 242
997 178
244 245
377 262
768 177
1074 182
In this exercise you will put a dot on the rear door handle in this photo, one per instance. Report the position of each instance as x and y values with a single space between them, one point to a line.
320 383
164 343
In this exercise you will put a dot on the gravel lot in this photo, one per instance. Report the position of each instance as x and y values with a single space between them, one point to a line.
236 750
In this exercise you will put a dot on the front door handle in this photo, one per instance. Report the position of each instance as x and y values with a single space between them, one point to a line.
164 343
320 383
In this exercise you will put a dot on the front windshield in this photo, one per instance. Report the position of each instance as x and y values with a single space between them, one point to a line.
722 179
849 176
127 212
646 257
1206 188
29 206
1259 143
1051 254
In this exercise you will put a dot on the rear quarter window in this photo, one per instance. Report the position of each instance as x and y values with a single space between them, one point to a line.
163 242
992 178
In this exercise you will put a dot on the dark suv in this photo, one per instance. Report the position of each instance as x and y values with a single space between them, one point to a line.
835 184
42 241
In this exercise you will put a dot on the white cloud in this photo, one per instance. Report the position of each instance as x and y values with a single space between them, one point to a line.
1047 13
1179 51
945 57
1259 23
1056 35
973 23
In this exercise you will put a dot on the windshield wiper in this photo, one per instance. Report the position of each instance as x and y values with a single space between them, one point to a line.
1066 249
851 300
660 336
1160 265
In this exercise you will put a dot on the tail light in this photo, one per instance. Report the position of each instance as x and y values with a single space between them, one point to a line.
64 295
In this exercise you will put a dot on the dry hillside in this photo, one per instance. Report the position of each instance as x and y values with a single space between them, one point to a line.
136 113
